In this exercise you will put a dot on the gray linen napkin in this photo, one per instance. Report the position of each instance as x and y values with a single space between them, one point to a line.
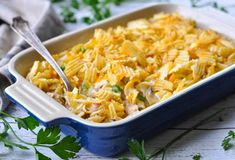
41 17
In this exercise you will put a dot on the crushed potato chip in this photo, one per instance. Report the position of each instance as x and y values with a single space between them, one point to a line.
122 70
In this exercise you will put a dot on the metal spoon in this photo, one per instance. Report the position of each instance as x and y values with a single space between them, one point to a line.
21 27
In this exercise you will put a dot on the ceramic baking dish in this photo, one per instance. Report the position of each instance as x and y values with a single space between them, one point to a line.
109 139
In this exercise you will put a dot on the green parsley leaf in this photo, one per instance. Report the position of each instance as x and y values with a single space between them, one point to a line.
116 2
28 123
223 9
85 86
48 136
66 148
194 3
226 143
116 89
75 4
91 2
68 15
88 20
215 5
97 12
4 132
100 10
83 50
100 13
66 12
40 156
197 156
56 1
62 67
137 149
141 98
107 13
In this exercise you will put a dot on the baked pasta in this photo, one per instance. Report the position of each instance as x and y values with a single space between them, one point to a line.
123 70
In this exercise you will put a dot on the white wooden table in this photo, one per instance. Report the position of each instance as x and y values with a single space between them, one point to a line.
205 140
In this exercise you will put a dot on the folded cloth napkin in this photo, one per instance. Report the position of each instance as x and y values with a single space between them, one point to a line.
41 17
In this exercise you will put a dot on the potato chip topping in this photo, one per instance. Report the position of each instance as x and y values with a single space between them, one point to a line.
123 70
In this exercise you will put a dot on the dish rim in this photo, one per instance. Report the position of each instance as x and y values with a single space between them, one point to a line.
68 114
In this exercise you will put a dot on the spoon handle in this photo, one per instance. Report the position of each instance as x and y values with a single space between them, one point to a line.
22 27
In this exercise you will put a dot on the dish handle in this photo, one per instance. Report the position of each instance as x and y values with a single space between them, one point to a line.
37 103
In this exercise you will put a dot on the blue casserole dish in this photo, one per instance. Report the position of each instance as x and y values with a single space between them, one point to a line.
110 139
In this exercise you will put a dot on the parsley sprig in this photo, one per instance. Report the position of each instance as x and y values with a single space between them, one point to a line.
197 156
198 4
100 9
117 89
75 4
65 148
137 148
62 67
141 97
226 143
56 1
68 15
